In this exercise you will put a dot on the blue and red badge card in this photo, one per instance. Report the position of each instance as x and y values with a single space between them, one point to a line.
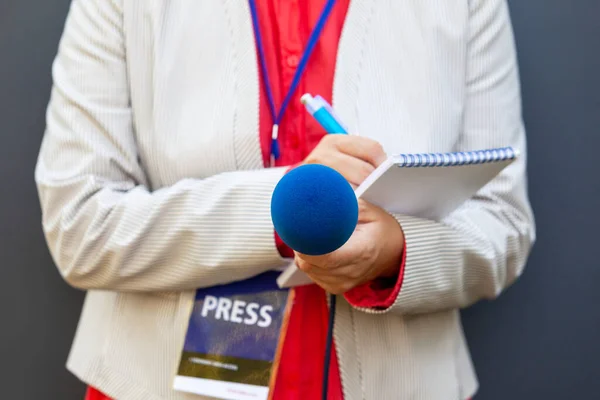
233 340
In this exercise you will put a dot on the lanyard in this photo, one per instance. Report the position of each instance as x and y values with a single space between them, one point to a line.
312 41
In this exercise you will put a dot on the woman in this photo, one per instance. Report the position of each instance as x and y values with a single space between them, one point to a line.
155 178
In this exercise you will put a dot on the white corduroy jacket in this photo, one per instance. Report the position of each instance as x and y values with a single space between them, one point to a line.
150 177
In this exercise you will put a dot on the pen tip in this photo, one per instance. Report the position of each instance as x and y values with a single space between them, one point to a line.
305 98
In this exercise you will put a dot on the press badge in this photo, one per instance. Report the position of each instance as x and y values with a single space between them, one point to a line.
233 339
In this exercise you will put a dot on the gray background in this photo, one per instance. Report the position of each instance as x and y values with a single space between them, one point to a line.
538 339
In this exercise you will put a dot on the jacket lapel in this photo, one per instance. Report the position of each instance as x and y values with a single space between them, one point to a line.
349 62
246 135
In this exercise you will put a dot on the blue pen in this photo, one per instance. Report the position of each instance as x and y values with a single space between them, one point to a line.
323 113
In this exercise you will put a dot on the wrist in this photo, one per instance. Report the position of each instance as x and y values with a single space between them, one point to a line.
395 245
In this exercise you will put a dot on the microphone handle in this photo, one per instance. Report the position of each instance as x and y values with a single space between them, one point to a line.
328 346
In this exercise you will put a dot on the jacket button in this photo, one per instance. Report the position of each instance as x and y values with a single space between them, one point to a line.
292 61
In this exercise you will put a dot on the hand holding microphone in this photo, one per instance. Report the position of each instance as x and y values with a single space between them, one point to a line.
373 251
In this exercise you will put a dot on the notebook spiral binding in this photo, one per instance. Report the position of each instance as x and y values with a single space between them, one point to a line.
456 159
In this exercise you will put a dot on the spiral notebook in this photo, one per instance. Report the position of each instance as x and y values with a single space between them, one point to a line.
425 185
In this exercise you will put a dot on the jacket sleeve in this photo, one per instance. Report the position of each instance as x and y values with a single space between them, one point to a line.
481 248
104 227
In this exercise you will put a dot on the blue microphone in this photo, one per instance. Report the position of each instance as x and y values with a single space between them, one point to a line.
314 209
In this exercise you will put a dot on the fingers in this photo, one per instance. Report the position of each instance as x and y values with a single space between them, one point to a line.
345 272
357 250
365 149
342 280
353 169
354 157
308 263
333 281
334 286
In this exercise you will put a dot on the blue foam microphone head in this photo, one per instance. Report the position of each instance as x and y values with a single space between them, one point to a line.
314 209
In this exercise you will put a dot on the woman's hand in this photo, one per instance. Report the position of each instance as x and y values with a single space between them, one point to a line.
354 157
374 250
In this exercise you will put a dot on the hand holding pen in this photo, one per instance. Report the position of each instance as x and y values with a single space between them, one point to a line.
354 157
